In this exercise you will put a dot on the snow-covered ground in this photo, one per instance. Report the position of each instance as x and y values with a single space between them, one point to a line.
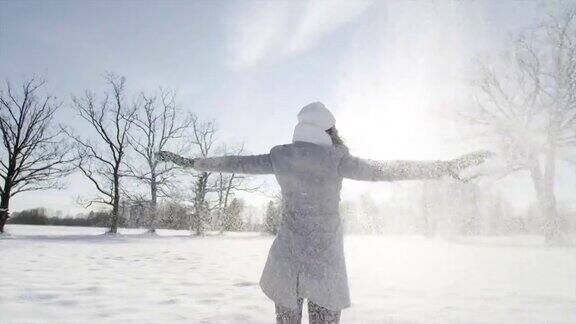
73 275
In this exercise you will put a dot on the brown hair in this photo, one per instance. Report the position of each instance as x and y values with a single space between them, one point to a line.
336 139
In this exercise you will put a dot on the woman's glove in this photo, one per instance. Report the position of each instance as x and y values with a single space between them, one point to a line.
493 167
458 166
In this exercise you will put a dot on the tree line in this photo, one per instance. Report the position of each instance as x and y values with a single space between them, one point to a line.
114 151
169 215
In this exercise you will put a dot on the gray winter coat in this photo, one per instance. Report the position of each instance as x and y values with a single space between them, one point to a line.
307 257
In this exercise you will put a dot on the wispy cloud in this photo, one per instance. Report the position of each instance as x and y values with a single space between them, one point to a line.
270 31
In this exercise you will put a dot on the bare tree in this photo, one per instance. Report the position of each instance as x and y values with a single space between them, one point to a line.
34 155
157 124
226 184
101 160
529 105
203 138
207 184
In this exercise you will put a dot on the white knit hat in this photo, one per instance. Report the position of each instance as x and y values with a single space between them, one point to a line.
313 121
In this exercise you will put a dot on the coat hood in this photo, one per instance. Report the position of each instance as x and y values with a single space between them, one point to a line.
313 121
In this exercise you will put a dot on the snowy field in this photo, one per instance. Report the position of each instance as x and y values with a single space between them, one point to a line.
73 275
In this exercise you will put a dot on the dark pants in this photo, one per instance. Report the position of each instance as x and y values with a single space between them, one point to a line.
316 314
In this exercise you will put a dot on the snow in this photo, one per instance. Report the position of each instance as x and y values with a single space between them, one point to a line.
76 275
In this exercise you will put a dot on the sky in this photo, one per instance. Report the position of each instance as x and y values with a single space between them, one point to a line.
389 70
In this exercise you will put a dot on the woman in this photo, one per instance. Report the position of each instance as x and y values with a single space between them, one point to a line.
306 259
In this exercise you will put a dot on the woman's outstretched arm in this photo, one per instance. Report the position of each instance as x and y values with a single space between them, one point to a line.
247 164
370 170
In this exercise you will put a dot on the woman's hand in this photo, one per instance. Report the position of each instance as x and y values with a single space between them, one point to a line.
456 166
470 159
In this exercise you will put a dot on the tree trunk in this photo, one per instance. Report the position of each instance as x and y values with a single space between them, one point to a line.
153 204
115 203
223 205
199 224
221 217
544 185
200 202
5 198
4 203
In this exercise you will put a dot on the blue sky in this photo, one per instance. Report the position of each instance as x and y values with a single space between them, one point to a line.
389 70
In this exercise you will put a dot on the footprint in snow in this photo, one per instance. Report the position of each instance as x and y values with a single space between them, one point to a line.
168 302
244 284
38 297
